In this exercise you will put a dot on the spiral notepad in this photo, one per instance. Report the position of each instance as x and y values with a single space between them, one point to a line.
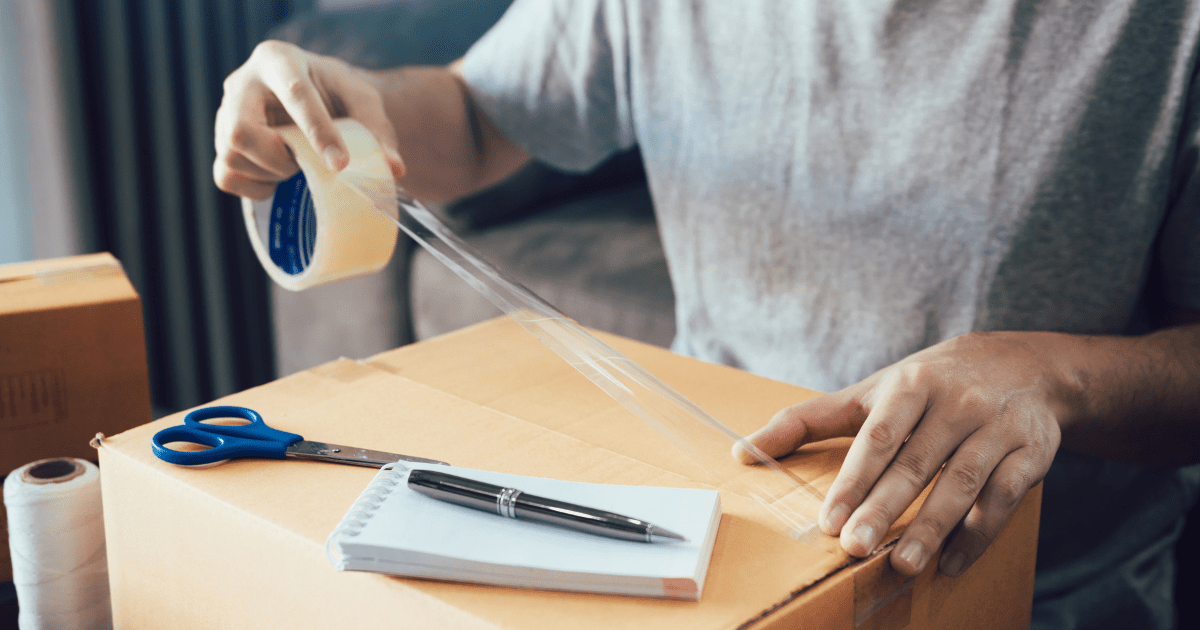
393 529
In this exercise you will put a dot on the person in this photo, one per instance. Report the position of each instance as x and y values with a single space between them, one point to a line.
977 224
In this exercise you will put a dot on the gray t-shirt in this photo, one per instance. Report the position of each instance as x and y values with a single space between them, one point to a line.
842 183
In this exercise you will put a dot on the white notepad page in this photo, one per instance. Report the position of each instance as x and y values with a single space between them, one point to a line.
393 529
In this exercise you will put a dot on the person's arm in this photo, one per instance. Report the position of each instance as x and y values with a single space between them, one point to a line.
424 114
1137 399
992 408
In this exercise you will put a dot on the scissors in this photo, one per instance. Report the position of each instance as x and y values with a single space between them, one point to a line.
256 439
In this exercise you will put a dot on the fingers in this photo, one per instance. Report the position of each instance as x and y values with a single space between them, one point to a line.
254 150
897 411
365 104
251 157
240 185
281 83
956 490
251 160
289 78
241 164
821 418
1008 484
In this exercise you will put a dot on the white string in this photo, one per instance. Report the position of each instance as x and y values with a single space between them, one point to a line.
56 536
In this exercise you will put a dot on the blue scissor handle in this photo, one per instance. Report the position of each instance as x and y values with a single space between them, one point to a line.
248 440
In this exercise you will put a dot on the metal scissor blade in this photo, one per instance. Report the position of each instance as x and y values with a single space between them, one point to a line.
338 454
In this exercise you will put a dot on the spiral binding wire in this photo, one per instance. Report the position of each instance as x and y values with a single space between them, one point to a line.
364 508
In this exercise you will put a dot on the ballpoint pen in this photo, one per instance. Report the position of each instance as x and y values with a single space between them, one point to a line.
512 503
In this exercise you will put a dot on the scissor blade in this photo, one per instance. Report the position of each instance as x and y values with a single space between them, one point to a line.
338 454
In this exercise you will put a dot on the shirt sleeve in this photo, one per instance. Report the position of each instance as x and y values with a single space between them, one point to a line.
1179 242
553 76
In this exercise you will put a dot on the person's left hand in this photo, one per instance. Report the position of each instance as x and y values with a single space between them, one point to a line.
986 405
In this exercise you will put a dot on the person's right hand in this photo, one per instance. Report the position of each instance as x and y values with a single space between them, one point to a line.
281 84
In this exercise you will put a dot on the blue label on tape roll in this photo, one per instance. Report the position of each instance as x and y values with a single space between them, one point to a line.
293 225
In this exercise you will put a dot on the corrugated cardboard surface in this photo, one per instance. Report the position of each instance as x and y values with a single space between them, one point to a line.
72 360
241 544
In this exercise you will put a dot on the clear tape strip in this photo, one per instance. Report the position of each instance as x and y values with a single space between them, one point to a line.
786 498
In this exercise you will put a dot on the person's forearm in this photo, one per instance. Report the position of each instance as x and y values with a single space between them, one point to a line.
449 147
1133 399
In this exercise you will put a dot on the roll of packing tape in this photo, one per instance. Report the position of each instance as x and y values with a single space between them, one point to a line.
56 535
320 226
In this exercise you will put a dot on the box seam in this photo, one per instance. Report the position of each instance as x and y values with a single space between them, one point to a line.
544 428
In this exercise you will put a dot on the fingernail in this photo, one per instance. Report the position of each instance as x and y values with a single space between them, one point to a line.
863 537
835 518
741 452
913 555
953 566
334 156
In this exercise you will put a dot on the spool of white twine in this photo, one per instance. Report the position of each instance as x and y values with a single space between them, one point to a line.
56 535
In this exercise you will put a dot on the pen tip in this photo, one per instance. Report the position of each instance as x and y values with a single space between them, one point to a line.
660 534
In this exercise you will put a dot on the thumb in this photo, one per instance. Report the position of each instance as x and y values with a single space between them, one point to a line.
394 161
365 104
385 134
814 420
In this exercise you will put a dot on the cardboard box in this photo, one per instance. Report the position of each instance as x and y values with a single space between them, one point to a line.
72 360
241 544
72 357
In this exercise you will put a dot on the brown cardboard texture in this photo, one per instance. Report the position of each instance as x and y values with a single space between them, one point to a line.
72 360
241 544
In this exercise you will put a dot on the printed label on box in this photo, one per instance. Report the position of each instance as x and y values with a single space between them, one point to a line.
32 398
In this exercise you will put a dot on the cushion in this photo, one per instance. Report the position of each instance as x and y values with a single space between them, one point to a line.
597 259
